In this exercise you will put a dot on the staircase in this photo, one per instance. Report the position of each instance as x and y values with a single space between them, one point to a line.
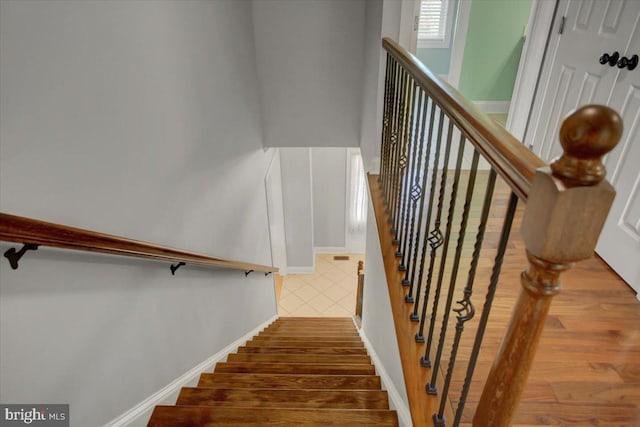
298 371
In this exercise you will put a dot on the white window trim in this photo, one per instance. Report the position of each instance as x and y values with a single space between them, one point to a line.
439 44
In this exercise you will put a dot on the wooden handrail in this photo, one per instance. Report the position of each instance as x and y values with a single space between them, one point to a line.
26 230
508 156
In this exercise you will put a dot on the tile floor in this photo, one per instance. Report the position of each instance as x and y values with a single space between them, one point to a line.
330 291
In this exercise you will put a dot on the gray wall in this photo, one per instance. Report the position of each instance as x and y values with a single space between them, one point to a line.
310 64
297 198
371 102
382 20
329 179
139 119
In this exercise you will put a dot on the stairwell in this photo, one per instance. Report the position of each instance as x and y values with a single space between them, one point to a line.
297 371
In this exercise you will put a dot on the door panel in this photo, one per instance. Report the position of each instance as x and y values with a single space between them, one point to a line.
619 244
571 77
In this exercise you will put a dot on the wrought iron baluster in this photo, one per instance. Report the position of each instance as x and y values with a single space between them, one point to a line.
403 202
400 156
432 386
393 133
438 239
406 281
486 309
385 123
396 142
416 191
466 310
429 240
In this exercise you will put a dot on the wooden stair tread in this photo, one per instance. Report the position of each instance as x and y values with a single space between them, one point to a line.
310 343
296 372
284 398
310 332
290 381
295 368
304 350
299 358
179 416
307 337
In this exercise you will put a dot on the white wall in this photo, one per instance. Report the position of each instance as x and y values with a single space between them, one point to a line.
329 177
138 119
310 65
377 317
298 208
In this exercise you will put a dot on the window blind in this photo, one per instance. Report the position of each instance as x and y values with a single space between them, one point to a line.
432 19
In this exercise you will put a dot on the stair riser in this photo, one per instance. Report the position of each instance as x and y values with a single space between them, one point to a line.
319 343
274 398
183 416
344 351
298 358
291 368
307 338
338 382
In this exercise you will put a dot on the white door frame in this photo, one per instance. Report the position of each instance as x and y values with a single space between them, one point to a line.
275 214
530 67
459 42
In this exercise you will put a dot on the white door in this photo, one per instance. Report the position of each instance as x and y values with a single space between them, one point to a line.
573 76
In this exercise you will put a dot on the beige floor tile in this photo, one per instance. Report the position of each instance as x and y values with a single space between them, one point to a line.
290 302
330 291
320 302
306 293
336 293
337 310
305 310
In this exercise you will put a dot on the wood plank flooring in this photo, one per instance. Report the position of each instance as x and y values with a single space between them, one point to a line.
587 368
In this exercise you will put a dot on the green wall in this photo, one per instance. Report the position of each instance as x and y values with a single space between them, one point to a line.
493 47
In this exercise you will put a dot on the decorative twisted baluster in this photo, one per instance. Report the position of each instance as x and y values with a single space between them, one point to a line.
565 213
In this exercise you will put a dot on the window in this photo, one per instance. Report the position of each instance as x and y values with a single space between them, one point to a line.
434 23
357 190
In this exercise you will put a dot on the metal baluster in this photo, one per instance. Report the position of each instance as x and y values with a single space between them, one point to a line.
393 135
432 386
400 163
493 283
404 179
466 310
416 191
429 239
445 247
409 296
385 122
396 142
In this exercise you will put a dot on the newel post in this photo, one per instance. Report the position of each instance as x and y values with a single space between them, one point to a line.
566 209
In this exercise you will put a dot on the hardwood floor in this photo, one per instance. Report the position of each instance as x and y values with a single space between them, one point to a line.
587 368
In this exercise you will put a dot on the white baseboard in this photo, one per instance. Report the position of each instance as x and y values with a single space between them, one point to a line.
495 107
395 400
330 250
139 415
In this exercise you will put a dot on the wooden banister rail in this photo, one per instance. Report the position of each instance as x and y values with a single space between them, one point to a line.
31 231
415 200
508 156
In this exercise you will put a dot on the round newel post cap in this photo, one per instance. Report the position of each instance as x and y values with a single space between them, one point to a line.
586 135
